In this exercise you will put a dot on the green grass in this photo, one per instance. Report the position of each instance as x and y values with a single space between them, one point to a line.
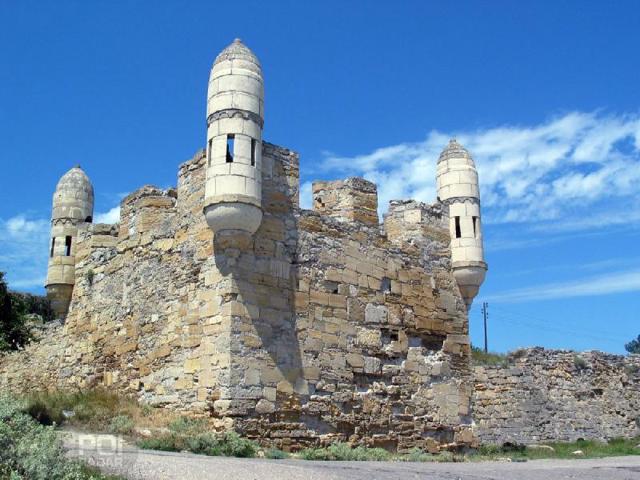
562 450
96 410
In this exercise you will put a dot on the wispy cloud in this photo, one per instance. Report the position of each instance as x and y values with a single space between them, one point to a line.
606 284
112 216
573 172
24 243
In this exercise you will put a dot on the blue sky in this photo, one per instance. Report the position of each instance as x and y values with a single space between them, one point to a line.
544 94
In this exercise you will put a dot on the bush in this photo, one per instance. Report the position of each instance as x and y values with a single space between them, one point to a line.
14 333
187 425
35 305
480 357
93 409
633 346
275 454
122 424
228 444
32 451
579 362
343 451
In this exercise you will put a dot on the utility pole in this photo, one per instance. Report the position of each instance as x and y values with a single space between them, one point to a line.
485 315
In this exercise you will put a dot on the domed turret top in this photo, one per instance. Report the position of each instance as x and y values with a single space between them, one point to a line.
74 179
454 150
237 51
73 197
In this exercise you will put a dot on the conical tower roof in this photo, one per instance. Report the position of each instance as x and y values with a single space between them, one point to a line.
73 197
237 51
454 150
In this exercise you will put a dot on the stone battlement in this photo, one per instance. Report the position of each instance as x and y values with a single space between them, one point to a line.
323 325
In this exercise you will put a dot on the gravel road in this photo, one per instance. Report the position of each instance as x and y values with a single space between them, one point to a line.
113 455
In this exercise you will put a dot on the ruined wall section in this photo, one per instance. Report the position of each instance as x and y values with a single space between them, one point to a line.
383 352
557 395
353 199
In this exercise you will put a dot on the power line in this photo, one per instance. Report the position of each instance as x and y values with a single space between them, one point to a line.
537 326
485 314
506 315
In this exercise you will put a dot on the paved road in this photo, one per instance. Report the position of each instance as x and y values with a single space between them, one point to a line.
114 456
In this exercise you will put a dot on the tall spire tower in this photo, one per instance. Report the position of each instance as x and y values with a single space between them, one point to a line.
235 117
72 206
457 182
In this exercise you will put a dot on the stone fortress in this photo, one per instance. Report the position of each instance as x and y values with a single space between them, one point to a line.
222 297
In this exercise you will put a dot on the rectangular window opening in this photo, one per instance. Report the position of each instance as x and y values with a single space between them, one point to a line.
230 141
53 246
209 152
253 152
67 246
475 227
458 232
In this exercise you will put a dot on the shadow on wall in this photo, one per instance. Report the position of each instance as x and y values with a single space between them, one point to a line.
259 280
258 293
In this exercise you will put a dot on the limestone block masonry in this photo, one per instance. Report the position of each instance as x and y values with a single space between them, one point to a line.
557 395
223 298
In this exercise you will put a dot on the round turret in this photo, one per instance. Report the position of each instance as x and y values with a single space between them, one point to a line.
72 207
235 117
457 183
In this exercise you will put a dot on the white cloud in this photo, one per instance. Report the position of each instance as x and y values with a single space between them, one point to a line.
112 216
20 227
616 282
305 195
576 171
24 245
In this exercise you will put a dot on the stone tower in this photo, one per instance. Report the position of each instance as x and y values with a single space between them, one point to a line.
235 116
457 182
72 206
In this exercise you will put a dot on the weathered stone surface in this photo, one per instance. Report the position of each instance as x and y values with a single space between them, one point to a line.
557 395
321 326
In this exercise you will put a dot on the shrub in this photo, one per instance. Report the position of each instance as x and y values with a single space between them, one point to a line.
187 425
228 444
35 305
480 357
32 451
275 454
417 455
579 362
343 451
122 424
14 333
44 415
94 409
90 276
165 443
633 346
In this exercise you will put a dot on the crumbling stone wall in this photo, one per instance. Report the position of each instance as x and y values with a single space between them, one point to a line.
324 325
557 395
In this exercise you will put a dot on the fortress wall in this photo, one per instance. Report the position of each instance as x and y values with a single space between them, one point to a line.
557 395
383 343
315 328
